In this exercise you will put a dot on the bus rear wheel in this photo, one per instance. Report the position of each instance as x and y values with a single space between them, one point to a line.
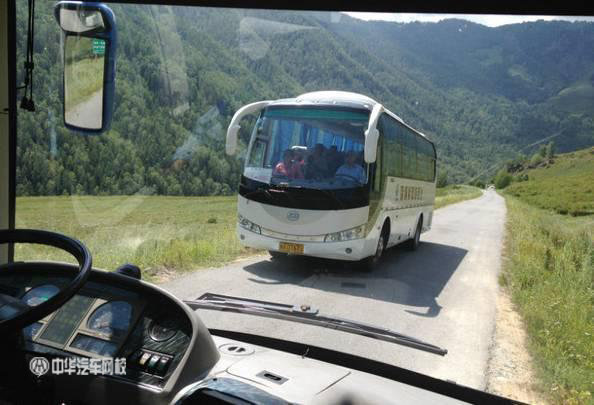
413 244
277 255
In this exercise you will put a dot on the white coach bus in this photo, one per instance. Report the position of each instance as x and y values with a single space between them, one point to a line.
334 175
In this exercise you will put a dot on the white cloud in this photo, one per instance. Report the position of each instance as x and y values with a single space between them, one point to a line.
490 20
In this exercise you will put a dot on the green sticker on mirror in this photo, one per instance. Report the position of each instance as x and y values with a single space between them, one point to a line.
98 46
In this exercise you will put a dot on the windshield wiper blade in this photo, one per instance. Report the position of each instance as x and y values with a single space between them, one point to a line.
285 193
257 191
305 314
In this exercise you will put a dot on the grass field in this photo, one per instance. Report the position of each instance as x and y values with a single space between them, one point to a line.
549 269
160 234
455 193
566 187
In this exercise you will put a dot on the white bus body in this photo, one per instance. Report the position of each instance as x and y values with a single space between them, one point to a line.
324 216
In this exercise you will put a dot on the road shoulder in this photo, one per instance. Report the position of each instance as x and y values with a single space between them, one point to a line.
509 371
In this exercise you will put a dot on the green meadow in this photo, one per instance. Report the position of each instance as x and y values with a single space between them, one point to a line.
160 234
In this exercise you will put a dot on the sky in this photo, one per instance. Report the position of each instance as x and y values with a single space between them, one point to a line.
489 20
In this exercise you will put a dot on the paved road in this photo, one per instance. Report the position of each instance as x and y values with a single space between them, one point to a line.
443 293
88 113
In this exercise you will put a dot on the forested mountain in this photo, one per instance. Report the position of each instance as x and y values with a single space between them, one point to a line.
482 94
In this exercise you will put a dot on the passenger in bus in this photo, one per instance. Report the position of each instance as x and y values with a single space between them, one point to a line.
298 167
283 167
317 166
288 167
351 169
335 160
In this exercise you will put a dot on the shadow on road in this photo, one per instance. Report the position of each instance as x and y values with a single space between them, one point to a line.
407 278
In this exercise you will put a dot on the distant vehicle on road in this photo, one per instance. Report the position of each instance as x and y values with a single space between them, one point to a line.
334 175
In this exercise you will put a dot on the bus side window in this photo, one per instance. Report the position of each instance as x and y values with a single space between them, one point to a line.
409 153
392 147
383 159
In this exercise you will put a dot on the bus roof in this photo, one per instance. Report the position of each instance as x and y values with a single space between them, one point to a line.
338 98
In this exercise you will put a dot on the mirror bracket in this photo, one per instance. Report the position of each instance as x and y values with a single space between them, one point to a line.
233 129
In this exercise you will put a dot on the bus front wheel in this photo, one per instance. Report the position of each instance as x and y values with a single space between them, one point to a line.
371 262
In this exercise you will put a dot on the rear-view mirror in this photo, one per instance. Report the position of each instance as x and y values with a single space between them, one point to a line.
372 134
89 48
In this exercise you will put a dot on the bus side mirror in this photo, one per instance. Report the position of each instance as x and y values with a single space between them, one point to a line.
372 134
89 49
371 138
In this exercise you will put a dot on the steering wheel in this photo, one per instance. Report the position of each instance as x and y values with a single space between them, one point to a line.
356 180
15 314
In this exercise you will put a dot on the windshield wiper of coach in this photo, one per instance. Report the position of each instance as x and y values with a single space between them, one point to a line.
305 314
259 190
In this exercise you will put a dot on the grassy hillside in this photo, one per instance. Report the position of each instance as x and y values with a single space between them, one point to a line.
578 98
565 185
549 269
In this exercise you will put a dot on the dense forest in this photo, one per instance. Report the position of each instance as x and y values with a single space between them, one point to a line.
483 95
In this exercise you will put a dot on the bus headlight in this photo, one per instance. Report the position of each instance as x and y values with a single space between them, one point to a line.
349 234
247 224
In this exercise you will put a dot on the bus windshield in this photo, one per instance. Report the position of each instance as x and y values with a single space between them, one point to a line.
317 148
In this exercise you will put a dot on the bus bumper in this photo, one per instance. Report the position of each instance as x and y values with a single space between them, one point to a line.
351 250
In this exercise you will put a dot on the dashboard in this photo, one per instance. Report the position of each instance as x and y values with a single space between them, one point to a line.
106 319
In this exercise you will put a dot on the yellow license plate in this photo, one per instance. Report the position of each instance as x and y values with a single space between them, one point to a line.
294 248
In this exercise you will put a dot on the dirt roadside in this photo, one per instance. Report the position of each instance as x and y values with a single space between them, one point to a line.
509 372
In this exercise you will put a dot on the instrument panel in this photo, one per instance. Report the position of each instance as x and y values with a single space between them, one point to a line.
88 324
106 319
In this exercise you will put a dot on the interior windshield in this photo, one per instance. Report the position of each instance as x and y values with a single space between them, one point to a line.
316 148
479 194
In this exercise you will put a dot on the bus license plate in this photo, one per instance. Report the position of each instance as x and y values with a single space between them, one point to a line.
294 248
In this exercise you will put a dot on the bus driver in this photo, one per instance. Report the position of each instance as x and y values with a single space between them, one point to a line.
350 169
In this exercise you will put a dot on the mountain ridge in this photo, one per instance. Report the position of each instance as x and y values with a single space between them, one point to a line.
188 61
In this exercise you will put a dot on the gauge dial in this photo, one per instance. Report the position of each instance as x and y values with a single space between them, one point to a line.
162 329
112 318
39 294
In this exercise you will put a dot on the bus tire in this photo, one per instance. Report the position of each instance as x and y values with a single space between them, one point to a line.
277 255
371 262
413 243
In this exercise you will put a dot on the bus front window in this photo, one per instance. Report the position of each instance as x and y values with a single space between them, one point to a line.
318 148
